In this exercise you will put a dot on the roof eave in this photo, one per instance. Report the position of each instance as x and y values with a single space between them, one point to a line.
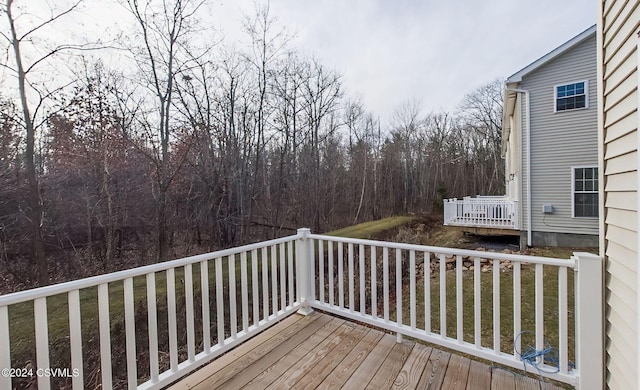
517 77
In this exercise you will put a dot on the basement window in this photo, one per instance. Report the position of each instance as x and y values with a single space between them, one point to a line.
571 96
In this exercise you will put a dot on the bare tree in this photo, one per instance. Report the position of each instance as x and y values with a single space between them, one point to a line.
165 28
22 67
481 111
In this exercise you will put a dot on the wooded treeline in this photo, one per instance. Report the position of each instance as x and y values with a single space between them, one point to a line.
193 149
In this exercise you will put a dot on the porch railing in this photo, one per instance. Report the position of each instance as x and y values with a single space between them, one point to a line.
428 293
240 292
482 211
477 303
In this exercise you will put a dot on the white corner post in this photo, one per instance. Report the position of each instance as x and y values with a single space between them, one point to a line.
589 320
303 261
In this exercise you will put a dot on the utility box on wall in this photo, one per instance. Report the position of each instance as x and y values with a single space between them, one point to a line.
547 208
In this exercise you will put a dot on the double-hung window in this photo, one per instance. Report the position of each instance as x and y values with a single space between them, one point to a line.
585 191
571 96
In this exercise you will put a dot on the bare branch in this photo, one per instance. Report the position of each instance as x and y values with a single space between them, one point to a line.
52 19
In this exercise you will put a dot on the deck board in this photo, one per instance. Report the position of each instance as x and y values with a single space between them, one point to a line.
479 376
410 374
299 367
457 373
502 379
388 371
344 370
435 370
263 364
362 375
526 383
277 344
235 361
265 378
317 374
321 351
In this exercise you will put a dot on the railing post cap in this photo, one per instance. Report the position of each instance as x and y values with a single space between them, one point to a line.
304 231
586 256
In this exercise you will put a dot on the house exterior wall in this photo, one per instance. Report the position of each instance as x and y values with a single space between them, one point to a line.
618 26
559 141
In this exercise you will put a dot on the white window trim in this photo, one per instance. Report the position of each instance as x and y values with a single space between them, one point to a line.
573 189
586 96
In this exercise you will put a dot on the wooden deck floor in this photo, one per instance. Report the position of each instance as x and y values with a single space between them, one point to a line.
325 352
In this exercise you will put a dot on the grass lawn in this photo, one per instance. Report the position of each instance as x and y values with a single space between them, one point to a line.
373 229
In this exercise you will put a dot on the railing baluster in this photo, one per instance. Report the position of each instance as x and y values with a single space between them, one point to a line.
459 313
340 275
312 269
426 273
351 284
412 288
385 281
443 296
5 348
105 336
233 307
274 279
206 317
42 340
75 338
265 284
188 292
517 308
331 274
477 303
374 287
173 326
290 267
321 269
363 302
255 297
399 288
152 320
496 306
244 287
283 279
539 307
219 301
563 334
130 329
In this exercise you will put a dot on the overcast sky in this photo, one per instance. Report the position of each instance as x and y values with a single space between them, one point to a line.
393 51
390 51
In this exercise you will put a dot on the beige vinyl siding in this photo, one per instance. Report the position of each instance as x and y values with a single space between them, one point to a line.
618 28
561 140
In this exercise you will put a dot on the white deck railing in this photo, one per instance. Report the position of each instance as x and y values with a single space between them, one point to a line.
418 291
482 211
426 292
251 288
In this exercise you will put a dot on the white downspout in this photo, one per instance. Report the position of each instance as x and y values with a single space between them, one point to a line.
528 121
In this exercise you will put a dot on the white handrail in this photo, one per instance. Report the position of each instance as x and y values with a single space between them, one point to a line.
402 267
232 321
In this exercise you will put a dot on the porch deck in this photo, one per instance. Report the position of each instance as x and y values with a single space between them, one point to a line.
326 352
483 212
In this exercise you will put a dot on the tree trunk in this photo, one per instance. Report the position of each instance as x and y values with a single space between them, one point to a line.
34 212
